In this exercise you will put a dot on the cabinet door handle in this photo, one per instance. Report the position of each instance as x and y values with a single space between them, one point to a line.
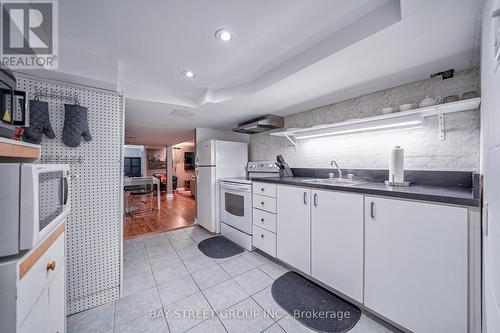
305 198
261 220
262 236
372 210
262 203
315 199
262 189
51 266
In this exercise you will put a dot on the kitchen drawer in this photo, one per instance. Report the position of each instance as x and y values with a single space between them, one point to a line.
264 240
264 189
38 277
264 220
265 203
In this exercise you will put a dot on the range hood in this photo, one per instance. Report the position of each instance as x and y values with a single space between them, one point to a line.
260 124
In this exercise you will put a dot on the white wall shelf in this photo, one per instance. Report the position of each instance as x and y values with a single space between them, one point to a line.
397 120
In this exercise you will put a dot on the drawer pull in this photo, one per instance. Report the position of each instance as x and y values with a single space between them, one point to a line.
261 220
51 266
262 236
262 189
262 203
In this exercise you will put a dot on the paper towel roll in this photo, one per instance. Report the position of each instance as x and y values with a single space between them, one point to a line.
396 168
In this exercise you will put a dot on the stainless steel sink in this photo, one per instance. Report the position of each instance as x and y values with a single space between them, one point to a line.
334 181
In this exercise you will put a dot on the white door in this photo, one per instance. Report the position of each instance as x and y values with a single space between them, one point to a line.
37 319
231 159
491 240
337 241
205 197
293 227
416 264
205 153
57 299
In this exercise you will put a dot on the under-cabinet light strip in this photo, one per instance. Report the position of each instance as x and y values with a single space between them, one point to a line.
382 124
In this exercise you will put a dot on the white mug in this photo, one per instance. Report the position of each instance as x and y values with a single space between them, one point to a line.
408 106
389 109
429 101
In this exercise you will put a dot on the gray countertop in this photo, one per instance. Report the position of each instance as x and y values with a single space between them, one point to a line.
446 195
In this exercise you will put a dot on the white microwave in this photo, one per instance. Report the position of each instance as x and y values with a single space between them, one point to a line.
34 199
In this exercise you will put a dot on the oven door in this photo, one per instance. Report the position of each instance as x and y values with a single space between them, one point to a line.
236 206
45 193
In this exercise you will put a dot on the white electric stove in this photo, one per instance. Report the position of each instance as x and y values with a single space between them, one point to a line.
236 202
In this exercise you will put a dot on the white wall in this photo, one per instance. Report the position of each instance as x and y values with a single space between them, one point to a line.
178 169
203 134
423 148
490 165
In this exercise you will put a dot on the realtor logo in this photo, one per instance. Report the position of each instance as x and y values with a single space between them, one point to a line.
29 34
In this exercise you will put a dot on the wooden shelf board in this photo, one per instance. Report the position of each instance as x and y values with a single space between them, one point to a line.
17 149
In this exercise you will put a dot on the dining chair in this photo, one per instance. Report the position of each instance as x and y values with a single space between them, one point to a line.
143 188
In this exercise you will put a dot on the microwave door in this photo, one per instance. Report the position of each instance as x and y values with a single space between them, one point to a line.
44 201
50 205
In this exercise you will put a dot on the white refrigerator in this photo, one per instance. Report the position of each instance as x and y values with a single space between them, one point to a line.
215 160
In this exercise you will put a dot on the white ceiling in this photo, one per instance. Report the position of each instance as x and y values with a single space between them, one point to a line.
288 55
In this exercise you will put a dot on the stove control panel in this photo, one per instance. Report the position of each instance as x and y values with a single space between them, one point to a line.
262 166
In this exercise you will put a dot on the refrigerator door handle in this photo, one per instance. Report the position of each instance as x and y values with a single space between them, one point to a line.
196 159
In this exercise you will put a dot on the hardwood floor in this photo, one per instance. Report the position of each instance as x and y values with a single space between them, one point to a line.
175 213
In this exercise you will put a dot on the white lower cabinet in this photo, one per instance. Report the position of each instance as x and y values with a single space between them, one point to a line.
57 302
37 319
416 264
337 241
32 288
408 261
293 226
265 240
47 314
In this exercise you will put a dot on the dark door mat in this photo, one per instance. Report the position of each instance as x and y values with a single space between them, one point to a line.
312 305
219 247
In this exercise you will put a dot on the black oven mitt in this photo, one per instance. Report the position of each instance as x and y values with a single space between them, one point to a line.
75 125
39 123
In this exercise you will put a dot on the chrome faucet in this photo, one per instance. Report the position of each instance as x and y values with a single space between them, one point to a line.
334 163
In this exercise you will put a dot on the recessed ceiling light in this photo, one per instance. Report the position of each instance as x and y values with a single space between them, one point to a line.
188 74
223 35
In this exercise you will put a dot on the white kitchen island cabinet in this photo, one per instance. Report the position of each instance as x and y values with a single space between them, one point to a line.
33 288
416 264
337 241
293 226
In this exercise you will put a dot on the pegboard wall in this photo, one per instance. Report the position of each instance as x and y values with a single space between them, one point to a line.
93 229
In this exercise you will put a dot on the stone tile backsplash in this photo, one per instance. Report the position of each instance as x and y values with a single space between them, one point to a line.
424 150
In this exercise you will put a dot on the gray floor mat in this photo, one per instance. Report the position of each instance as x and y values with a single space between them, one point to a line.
312 305
219 247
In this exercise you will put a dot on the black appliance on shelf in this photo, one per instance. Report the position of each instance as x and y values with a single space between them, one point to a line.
13 104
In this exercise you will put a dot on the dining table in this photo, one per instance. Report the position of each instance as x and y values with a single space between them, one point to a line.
137 181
